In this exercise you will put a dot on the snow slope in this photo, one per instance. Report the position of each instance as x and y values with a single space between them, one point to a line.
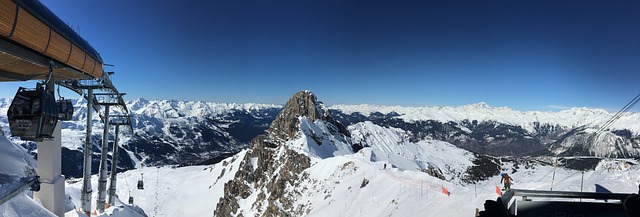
333 187
317 141
16 163
168 191
358 184
393 146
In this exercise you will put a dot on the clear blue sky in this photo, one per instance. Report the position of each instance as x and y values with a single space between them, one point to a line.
528 55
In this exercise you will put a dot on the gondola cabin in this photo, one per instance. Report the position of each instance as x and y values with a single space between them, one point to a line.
140 185
32 114
65 109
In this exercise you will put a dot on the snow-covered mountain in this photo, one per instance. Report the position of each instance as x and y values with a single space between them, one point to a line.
481 112
168 132
165 132
501 131
306 166
182 132
307 163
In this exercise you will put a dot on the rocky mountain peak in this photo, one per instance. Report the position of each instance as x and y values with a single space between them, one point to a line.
301 104
270 167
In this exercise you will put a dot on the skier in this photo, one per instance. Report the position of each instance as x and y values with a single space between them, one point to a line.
507 181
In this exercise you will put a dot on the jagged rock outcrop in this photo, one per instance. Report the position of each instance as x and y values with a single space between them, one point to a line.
271 169
268 169
302 104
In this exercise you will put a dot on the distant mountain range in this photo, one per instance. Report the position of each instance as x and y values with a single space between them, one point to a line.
187 132
500 131
165 132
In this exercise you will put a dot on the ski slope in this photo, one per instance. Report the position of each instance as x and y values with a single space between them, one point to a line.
168 191
384 179
333 188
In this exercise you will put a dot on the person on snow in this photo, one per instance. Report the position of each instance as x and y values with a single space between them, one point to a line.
507 181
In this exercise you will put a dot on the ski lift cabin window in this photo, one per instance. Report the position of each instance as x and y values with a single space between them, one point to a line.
65 109
20 107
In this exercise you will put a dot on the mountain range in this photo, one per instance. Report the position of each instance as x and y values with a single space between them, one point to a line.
308 159
172 132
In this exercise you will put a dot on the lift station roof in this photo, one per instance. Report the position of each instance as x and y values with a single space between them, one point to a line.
32 37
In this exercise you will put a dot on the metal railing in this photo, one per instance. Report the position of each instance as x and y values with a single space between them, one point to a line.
552 203
25 183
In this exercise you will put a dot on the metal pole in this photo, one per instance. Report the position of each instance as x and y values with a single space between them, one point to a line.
88 152
102 180
475 188
114 168
554 173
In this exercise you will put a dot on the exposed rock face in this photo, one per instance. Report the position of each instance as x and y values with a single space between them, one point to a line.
303 103
268 169
271 169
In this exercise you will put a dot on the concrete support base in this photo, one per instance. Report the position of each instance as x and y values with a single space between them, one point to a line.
51 193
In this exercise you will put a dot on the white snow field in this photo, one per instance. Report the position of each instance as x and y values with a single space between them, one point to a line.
333 187
169 191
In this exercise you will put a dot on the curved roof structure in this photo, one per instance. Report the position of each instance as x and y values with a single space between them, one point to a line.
32 37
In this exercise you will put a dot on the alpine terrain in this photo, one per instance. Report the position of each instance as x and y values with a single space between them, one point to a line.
307 159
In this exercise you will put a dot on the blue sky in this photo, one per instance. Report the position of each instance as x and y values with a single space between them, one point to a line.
528 55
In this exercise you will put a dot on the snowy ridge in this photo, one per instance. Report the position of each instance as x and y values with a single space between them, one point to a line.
385 179
392 146
339 191
305 175
573 117
159 109
606 144
317 141
175 108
